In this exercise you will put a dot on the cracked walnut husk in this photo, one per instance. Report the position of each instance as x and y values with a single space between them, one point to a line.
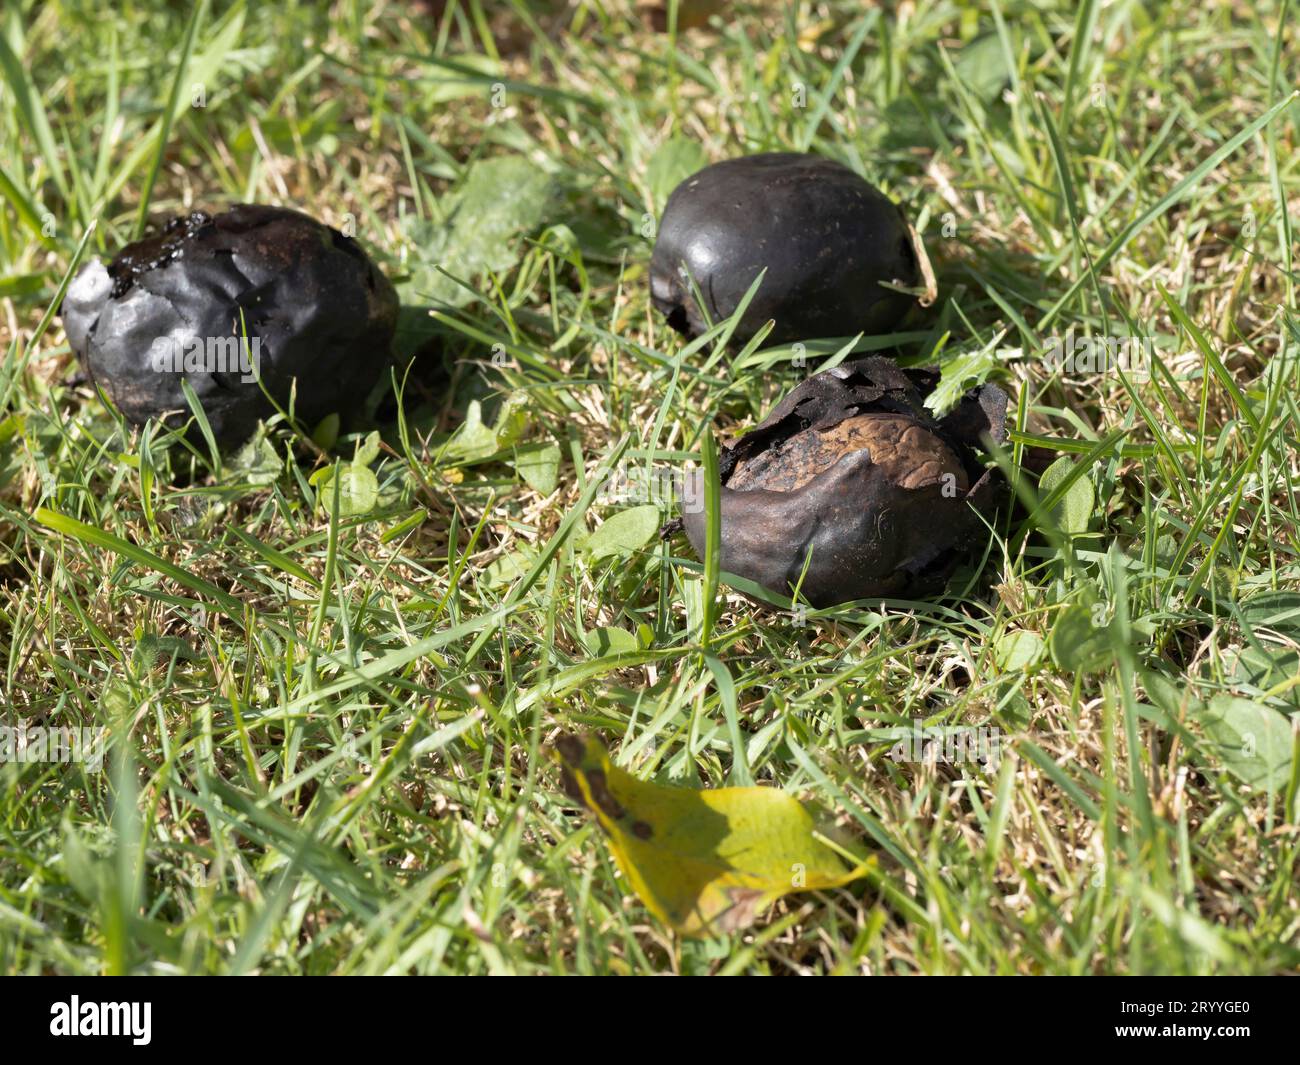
852 470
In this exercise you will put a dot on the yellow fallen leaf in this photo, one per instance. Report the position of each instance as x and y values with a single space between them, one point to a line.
704 861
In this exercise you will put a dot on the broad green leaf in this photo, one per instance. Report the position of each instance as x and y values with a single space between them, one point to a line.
539 466
498 202
1017 650
1078 643
610 641
706 861
1273 610
326 434
1071 514
508 568
476 441
512 419
367 450
1253 741
1271 669
256 462
1174 698
358 489
150 649
982 67
672 163
624 532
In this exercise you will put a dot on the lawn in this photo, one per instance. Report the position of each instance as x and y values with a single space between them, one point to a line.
328 718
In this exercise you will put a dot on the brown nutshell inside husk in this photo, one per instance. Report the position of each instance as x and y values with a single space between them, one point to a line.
906 452
851 489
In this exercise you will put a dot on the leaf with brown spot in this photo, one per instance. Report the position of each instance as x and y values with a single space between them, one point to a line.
705 861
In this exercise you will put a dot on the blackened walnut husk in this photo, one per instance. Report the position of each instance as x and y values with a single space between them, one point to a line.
852 467
829 241
318 308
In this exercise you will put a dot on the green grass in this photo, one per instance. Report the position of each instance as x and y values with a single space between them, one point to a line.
327 732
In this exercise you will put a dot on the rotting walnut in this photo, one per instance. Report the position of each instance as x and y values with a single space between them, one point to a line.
852 469
224 300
